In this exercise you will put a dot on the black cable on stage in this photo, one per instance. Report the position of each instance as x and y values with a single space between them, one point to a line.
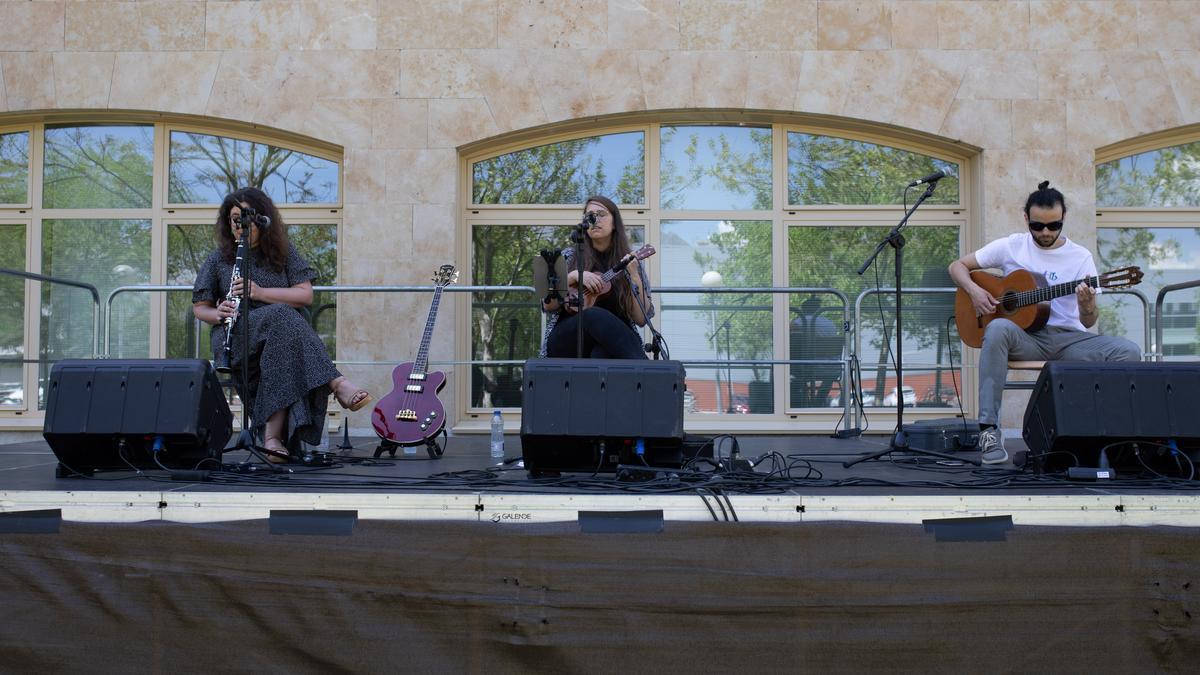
729 503
953 375
724 513
708 506
854 392
787 475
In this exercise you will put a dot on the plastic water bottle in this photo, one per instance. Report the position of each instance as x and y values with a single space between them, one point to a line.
497 435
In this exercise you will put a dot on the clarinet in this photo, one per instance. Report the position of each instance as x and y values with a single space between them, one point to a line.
225 356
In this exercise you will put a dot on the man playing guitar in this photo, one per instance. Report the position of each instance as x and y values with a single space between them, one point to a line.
1045 251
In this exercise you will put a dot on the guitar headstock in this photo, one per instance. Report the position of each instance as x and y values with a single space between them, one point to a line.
445 275
640 254
1121 278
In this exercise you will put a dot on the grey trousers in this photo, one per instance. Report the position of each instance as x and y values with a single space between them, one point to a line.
1004 341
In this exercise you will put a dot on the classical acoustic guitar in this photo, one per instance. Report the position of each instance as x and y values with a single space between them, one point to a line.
411 413
1024 298
589 299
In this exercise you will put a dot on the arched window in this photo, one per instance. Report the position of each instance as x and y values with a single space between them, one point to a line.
765 203
1148 214
128 199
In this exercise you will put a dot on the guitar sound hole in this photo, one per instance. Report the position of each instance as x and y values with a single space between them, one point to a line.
1009 302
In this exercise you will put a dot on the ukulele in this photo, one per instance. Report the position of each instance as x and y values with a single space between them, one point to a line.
1024 298
589 299
411 413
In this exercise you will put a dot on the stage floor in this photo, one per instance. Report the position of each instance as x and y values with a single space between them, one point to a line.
795 478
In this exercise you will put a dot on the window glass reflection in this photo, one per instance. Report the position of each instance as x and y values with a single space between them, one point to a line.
720 326
1168 177
715 167
14 168
106 254
828 256
98 167
824 170
12 307
566 172
1166 256
204 168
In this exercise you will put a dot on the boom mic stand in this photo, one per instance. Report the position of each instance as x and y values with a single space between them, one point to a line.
899 441
577 236
657 345
245 439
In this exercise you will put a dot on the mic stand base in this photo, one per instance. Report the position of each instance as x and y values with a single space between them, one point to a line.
246 442
900 444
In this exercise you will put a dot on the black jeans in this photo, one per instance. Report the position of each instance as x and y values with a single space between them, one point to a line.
604 337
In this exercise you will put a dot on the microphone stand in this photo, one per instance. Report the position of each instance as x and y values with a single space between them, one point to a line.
655 347
728 357
899 442
577 236
725 325
246 436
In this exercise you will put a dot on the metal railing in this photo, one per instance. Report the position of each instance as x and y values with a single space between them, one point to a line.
952 290
1158 316
851 330
316 289
1145 315
844 361
67 282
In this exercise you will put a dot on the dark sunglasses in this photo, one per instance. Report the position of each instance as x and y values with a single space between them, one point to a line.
1038 227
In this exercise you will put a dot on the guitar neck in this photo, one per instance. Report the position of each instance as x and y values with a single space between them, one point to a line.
611 274
1047 293
422 360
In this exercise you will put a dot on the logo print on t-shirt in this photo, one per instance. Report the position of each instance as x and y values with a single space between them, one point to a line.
1052 276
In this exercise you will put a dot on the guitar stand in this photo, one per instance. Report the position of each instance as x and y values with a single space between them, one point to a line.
345 445
433 447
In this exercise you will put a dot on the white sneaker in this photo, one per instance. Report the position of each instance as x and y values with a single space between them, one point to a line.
991 446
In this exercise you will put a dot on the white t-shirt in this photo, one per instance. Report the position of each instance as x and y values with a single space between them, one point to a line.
1069 262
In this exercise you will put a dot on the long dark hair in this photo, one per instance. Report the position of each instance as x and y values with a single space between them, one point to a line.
619 247
272 240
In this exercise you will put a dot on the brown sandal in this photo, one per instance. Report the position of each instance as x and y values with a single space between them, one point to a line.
354 405
277 454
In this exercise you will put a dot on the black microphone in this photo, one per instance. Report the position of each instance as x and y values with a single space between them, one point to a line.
249 215
931 178
589 218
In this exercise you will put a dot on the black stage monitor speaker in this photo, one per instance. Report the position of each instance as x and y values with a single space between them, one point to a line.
111 413
591 414
1078 408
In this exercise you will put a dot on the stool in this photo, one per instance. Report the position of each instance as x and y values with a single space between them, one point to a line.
1021 384
1035 366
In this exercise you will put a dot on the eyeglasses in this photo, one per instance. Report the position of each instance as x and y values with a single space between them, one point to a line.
597 214
1038 227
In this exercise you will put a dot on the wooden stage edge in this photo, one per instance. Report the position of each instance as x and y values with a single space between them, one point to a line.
897 492
515 510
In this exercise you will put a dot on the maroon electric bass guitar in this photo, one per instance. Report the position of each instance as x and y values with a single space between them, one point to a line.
411 413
